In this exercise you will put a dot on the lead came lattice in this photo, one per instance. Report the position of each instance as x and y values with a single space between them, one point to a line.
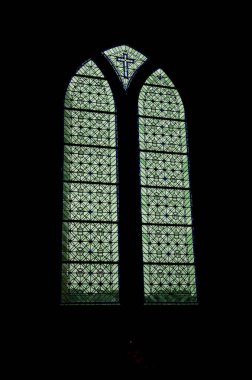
90 206
169 274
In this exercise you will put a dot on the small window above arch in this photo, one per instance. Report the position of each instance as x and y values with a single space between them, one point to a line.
126 61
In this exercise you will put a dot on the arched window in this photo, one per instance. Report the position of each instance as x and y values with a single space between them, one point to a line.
166 208
94 268
90 214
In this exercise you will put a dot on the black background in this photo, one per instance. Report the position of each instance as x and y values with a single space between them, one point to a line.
174 338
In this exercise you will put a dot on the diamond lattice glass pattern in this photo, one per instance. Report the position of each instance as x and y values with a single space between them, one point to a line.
90 201
169 273
126 61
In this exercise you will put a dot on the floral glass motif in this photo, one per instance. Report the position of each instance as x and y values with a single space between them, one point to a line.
90 205
126 61
169 273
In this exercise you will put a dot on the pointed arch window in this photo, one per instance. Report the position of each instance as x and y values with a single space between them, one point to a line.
169 274
91 257
90 207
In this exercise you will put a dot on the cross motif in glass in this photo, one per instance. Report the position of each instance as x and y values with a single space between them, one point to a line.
125 60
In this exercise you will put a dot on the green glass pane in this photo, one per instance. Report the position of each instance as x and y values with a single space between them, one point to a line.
90 69
159 78
162 135
90 241
167 240
83 163
89 94
162 102
165 206
90 283
167 244
169 283
126 61
90 202
169 170
88 128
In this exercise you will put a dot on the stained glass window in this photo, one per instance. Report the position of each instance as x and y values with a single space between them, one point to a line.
126 61
90 248
90 204
168 257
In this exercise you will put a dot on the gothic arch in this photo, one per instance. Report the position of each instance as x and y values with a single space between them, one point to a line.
168 256
90 206
165 271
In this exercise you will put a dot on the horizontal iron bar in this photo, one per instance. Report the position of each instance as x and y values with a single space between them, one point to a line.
167 264
93 183
159 85
165 187
86 110
88 262
161 118
162 152
91 146
167 224
89 76
88 221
